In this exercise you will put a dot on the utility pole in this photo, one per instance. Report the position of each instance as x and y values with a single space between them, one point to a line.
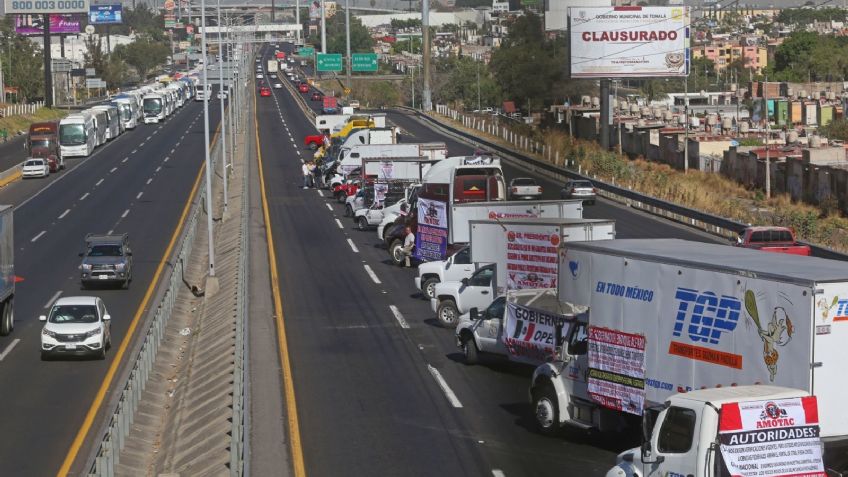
686 129
48 74
768 161
425 46
478 88
297 20
412 83
273 7
221 92
605 114
209 229
347 38
323 31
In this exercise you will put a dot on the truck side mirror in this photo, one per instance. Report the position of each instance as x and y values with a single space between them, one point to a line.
465 282
475 314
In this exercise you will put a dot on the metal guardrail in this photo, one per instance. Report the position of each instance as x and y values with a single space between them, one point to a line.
122 418
710 223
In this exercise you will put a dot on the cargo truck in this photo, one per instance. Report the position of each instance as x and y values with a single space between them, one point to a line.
522 253
272 66
355 156
669 316
7 270
43 141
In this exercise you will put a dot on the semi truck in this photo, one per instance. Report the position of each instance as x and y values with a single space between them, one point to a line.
43 141
7 270
669 316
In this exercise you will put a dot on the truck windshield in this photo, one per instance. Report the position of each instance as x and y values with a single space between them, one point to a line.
152 106
71 134
34 143
126 112
105 251
73 314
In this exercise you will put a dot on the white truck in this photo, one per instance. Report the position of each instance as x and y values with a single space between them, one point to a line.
326 122
367 136
7 270
517 254
744 430
669 316
354 157
272 66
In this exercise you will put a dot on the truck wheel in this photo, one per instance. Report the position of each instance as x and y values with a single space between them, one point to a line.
340 197
313 146
470 351
447 313
362 224
546 410
7 318
429 287
348 211
395 252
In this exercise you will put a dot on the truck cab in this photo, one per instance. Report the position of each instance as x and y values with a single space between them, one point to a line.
452 299
452 269
43 142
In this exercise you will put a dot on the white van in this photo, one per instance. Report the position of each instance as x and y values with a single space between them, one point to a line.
77 135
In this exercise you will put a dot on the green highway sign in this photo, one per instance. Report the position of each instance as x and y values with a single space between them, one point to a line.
363 62
305 51
329 62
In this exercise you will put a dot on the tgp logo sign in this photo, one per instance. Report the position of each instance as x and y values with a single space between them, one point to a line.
704 316
841 310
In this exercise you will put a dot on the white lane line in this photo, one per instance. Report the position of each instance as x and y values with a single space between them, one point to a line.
9 348
172 151
498 473
372 275
339 223
126 159
141 145
38 236
444 385
158 168
134 151
84 196
149 181
148 137
99 182
320 192
66 212
110 232
329 207
399 317
139 195
125 214
166 159
352 246
113 170
52 299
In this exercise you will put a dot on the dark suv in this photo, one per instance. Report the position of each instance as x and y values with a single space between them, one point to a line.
107 259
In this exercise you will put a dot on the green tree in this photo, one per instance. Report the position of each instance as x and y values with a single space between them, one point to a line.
457 82
360 39
837 129
143 55
23 62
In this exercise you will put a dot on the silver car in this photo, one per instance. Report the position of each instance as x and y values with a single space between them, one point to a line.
579 189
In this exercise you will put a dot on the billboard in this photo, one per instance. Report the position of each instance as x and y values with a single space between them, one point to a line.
34 24
18 7
629 42
105 14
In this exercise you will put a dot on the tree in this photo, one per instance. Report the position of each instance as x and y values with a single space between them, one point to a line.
457 82
23 62
143 55
837 129
360 39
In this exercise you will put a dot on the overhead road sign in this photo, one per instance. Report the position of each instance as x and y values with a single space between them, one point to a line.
92 83
363 62
251 28
105 14
305 51
329 62
18 7
629 42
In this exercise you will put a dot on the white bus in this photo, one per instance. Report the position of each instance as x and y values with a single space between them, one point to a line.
77 135
154 108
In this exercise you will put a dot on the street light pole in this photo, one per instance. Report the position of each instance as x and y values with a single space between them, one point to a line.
478 87
209 228
221 89
323 28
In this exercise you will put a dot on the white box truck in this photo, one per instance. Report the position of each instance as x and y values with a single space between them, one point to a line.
355 157
7 269
514 254
272 66
668 316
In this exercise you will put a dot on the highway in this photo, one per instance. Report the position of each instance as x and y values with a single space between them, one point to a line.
381 388
137 184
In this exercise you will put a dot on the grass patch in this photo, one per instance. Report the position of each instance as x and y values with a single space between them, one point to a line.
20 123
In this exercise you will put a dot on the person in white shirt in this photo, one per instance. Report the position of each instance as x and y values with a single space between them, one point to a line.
306 175
408 245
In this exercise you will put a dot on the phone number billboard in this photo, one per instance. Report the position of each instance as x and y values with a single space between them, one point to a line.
627 42
17 7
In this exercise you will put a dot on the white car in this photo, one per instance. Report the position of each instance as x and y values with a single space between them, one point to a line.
78 325
35 167
278 85
260 76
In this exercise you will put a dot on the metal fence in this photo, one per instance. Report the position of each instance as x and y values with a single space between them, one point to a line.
19 109
122 418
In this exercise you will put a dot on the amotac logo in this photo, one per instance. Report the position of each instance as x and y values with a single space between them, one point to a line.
705 316
774 416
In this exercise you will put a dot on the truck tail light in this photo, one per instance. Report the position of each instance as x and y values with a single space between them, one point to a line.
515 190
540 189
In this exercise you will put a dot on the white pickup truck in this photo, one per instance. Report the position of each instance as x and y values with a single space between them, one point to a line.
452 269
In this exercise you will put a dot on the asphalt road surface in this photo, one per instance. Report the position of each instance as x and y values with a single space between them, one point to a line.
137 184
381 388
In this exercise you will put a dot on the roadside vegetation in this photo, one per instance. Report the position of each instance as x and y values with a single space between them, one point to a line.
19 124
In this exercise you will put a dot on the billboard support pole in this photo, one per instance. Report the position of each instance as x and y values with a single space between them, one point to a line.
48 74
605 114
108 40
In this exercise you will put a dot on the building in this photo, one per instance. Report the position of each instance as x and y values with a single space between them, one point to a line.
556 11
724 53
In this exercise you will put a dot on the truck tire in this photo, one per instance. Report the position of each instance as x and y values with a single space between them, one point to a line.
546 409
429 287
447 313
469 350
313 146
348 211
362 224
340 197
7 317
395 252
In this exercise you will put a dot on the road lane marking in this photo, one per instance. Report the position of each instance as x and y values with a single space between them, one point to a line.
329 207
66 212
148 138
320 192
139 195
113 170
172 151
126 159
352 246
141 145
295 446
166 159
498 473
38 236
99 182
52 299
399 317
444 385
9 348
125 214
339 223
372 275
149 181
134 151
84 196
158 168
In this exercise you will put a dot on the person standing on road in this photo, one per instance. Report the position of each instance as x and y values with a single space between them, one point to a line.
306 175
397 134
408 245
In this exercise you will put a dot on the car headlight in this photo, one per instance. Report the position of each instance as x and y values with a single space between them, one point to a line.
93 332
47 332
86 266
120 266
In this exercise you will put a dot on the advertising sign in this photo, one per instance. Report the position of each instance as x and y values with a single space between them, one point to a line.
170 20
363 62
34 24
616 376
627 42
777 438
529 333
18 7
315 10
105 14
431 238
531 258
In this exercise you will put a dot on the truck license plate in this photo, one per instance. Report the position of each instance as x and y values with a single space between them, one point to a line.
70 346
103 277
